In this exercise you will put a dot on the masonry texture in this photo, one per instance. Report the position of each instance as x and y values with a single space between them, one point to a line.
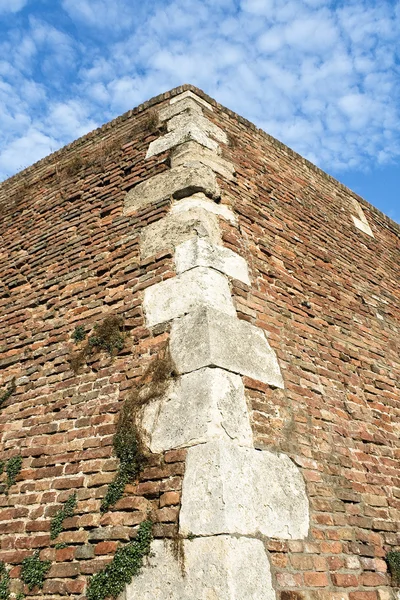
271 447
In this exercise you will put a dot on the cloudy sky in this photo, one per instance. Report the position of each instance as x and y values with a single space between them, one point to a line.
321 76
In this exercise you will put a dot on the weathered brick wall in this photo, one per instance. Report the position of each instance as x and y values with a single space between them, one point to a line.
326 293
329 297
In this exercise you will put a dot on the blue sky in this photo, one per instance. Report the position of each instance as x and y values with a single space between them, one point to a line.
321 76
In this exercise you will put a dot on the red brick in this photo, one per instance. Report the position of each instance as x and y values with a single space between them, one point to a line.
315 579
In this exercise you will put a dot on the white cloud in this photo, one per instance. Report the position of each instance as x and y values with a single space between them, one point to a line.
12 6
101 14
25 150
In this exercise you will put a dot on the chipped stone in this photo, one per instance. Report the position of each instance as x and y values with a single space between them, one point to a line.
195 97
178 182
209 337
177 227
215 568
238 490
199 200
201 406
192 119
186 293
186 105
200 253
191 151
180 136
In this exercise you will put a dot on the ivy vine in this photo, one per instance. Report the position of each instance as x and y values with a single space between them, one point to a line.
393 560
13 469
127 562
8 392
34 570
126 448
56 525
4 582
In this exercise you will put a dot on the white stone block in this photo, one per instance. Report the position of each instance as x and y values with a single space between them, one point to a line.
237 490
199 200
186 105
191 151
363 226
177 227
198 252
204 405
216 568
180 136
179 182
209 337
186 293
192 119
193 96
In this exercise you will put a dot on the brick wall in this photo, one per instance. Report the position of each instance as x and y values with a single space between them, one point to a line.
326 293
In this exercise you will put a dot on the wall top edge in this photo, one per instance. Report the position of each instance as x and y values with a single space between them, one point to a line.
152 102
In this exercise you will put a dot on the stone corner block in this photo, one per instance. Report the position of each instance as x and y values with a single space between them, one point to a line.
176 228
190 151
185 293
185 105
198 252
209 337
215 568
178 182
193 96
191 131
237 490
192 119
204 405
200 201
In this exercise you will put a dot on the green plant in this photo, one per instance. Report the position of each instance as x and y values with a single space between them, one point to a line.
61 546
13 469
73 166
126 448
56 525
20 596
2 465
79 334
108 335
8 392
393 561
4 582
126 440
152 121
127 562
33 570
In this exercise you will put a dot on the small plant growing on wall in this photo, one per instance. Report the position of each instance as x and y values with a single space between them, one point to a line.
126 448
393 561
34 570
79 334
4 582
4 396
108 336
127 562
56 525
13 469
126 442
